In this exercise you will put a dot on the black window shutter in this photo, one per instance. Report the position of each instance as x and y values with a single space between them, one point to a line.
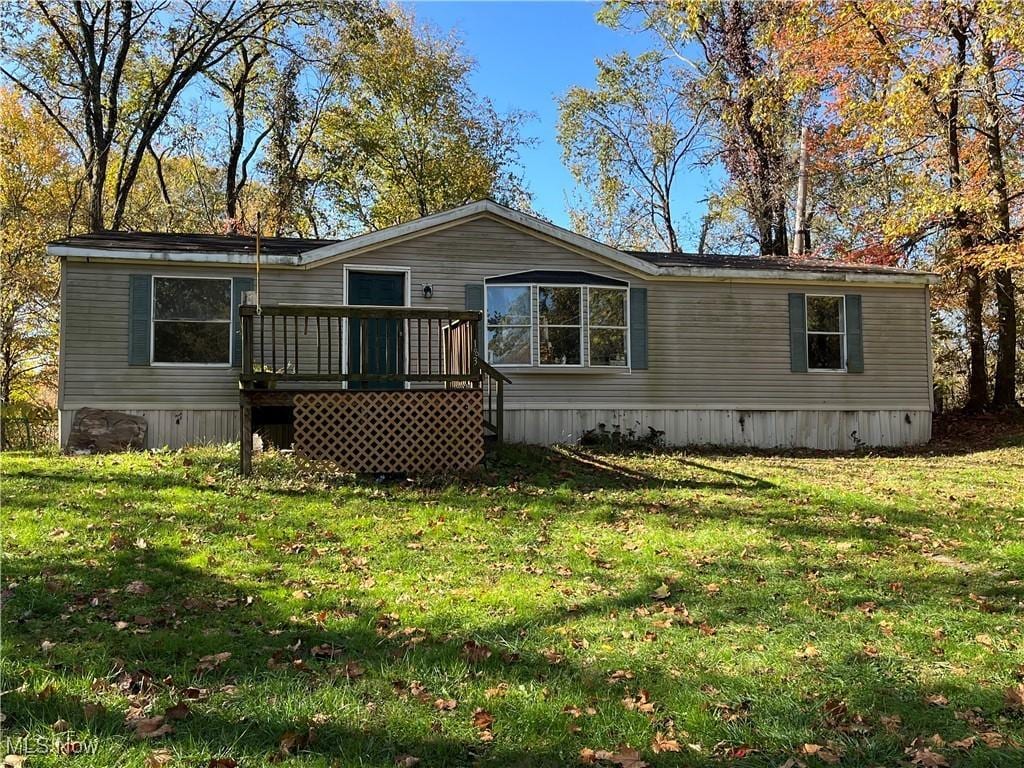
854 334
238 285
475 300
638 329
797 333
140 315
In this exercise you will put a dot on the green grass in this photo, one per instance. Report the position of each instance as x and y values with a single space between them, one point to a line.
865 603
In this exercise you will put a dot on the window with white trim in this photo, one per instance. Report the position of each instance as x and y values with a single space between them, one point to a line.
826 333
560 325
509 325
608 326
192 320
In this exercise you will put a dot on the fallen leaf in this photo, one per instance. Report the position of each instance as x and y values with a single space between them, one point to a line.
1013 697
475 652
553 656
662 593
626 757
826 754
936 700
158 758
138 588
406 761
641 702
445 705
151 727
925 758
14 761
61 726
222 762
211 662
809 652
663 743
482 718
992 739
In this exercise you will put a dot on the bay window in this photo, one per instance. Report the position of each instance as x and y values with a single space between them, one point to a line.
557 319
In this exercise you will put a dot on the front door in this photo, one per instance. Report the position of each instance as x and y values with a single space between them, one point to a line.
376 346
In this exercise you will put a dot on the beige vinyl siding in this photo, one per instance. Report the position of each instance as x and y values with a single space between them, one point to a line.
712 345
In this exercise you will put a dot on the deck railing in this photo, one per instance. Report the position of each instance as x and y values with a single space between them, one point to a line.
360 345
307 348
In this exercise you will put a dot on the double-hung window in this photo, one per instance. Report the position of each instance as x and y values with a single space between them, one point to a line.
192 320
607 326
560 321
509 325
826 333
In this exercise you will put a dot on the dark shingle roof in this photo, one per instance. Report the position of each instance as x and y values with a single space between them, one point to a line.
294 246
723 261
194 243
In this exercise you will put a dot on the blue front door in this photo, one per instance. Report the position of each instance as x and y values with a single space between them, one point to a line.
376 346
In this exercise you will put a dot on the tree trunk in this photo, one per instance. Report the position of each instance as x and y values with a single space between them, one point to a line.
977 375
974 283
1005 394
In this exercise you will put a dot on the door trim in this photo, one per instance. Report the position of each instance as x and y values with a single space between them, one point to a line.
407 273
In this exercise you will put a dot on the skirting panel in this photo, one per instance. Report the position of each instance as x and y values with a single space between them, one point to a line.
394 431
175 428
825 430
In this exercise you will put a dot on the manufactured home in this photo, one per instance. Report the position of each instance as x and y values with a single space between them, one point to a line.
485 320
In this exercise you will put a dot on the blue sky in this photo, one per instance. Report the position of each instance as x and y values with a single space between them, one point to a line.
528 54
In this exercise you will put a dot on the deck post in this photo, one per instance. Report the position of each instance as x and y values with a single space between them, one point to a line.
245 438
499 418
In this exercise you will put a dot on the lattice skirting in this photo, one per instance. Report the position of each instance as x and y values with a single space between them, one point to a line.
394 431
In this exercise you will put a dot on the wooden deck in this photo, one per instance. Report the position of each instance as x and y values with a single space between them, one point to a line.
386 371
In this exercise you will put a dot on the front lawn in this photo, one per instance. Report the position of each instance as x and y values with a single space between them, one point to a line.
558 608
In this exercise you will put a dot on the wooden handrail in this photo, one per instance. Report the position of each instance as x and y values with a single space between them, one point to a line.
391 313
381 344
493 372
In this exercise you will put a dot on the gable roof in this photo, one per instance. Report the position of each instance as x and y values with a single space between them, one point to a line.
305 253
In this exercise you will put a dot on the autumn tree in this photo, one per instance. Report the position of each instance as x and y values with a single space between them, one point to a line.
904 120
412 137
625 141
108 75
38 200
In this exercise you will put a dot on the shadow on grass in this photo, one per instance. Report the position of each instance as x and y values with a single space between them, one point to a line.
192 613
195 612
